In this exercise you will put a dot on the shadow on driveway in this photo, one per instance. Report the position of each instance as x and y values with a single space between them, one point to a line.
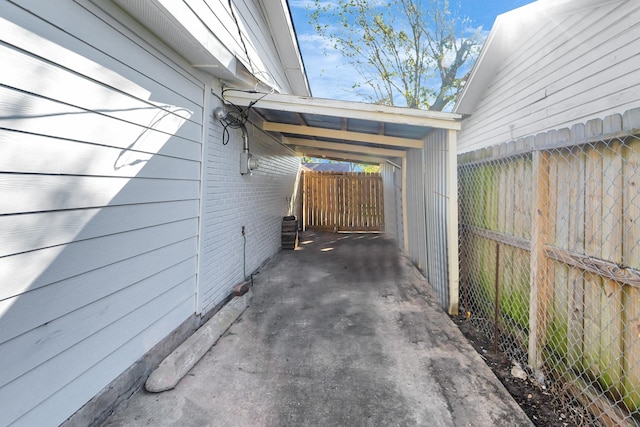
343 331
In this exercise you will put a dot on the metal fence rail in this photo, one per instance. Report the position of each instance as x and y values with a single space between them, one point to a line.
550 260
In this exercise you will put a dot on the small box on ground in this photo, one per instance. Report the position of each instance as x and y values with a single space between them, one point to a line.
289 232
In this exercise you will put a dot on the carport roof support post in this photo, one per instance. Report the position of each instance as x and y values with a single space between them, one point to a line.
452 233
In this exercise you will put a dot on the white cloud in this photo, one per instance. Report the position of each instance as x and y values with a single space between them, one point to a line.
328 73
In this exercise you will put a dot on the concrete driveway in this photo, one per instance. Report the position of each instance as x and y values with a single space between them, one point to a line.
342 332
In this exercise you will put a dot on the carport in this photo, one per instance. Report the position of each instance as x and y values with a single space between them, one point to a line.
417 153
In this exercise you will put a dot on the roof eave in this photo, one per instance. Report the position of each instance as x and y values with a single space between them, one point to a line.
482 71
284 36
348 109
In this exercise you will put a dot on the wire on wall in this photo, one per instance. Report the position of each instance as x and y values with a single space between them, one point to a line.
246 51
237 117
233 120
225 101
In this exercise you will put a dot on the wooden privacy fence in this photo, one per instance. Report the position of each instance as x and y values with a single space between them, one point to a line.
343 201
550 259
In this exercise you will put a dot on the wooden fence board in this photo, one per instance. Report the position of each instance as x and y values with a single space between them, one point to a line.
631 258
558 314
631 202
538 264
612 203
558 333
344 201
500 170
520 178
593 219
576 200
552 183
591 322
631 337
507 273
593 248
575 307
611 334
561 214
529 180
575 331
611 297
582 235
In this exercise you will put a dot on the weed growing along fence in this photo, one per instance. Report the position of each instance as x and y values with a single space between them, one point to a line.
550 259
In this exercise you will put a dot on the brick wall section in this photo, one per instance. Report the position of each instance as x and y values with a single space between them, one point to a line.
231 200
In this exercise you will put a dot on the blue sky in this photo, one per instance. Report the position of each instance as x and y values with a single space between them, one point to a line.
329 77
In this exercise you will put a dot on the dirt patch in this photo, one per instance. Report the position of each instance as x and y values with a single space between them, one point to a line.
545 407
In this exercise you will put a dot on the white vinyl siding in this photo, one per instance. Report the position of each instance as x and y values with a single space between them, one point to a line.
255 49
99 180
258 202
559 71
263 59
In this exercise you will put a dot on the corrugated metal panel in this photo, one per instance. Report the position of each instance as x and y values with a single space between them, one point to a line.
392 185
416 209
397 182
435 198
428 211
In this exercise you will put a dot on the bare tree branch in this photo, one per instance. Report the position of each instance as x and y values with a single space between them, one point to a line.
408 52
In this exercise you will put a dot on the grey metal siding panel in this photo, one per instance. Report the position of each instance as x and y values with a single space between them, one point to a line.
435 191
392 201
416 215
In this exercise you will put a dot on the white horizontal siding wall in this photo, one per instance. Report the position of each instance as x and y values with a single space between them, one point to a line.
560 70
265 61
258 202
99 180
255 49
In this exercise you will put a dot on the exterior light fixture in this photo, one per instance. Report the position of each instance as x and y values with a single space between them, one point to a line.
220 113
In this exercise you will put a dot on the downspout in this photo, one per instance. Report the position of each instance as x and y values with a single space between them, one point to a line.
245 140
247 163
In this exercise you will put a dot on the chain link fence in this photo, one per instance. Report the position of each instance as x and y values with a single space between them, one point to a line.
550 262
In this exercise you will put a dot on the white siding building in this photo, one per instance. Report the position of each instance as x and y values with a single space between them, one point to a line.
548 156
121 208
550 65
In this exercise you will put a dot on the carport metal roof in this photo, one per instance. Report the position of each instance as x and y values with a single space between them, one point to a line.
344 130
367 133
